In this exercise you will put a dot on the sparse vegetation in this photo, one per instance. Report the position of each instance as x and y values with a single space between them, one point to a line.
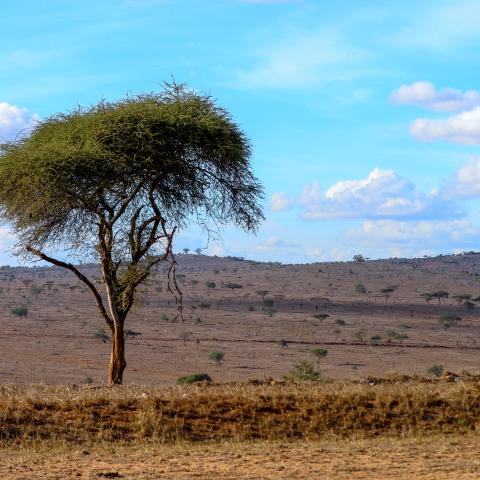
194 378
20 312
216 356
304 371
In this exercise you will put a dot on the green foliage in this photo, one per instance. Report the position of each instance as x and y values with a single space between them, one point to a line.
233 286
360 288
268 302
436 370
319 352
304 371
216 356
210 285
21 311
194 378
250 308
283 343
375 339
462 297
359 258
340 322
449 320
102 335
181 145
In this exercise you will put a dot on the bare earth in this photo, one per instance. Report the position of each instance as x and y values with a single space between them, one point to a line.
434 458
56 343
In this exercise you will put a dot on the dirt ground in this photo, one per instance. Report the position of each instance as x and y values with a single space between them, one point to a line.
435 458
58 342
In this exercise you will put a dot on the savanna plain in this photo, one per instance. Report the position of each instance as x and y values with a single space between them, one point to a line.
362 369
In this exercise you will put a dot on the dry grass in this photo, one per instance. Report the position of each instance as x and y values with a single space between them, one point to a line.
436 457
236 412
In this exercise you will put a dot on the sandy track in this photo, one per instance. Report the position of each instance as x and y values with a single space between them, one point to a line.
438 457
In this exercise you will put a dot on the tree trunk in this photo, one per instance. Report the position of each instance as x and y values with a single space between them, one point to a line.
117 357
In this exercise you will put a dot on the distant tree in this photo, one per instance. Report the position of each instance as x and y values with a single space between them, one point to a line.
360 288
427 296
233 286
449 320
461 297
319 353
198 251
469 305
262 293
210 285
185 251
359 258
20 312
387 291
114 182
440 295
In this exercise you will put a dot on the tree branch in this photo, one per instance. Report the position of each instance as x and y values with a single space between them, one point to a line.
80 276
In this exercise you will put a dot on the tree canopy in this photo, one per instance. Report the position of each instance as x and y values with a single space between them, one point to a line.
114 182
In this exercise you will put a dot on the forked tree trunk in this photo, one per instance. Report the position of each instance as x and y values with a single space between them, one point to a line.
117 356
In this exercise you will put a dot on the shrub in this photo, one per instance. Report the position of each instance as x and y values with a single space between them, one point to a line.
340 322
210 284
20 312
217 357
449 320
319 352
436 370
194 378
321 316
283 343
268 302
250 308
375 339
304 371
360 288
102 335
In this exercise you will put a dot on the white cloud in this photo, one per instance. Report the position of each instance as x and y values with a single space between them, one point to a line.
273 243
382 195
279 202
424 94
15 121
303 60
217 250
466 183
414 234
459 128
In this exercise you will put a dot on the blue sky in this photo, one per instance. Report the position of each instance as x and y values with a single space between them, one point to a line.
364 115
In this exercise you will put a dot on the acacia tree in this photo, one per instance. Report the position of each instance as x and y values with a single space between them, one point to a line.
114 182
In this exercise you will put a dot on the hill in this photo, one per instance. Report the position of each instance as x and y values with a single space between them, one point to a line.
274 317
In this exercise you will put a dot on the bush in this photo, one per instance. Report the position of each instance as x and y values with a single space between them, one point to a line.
268 302
20 312
449 320
360 288
102 335
319 352
304 371
436 370
194 378
217 357
340 322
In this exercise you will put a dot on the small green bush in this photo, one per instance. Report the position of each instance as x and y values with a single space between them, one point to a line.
319 352
194 378
102 335
217 357
20 312
304 371
436 370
